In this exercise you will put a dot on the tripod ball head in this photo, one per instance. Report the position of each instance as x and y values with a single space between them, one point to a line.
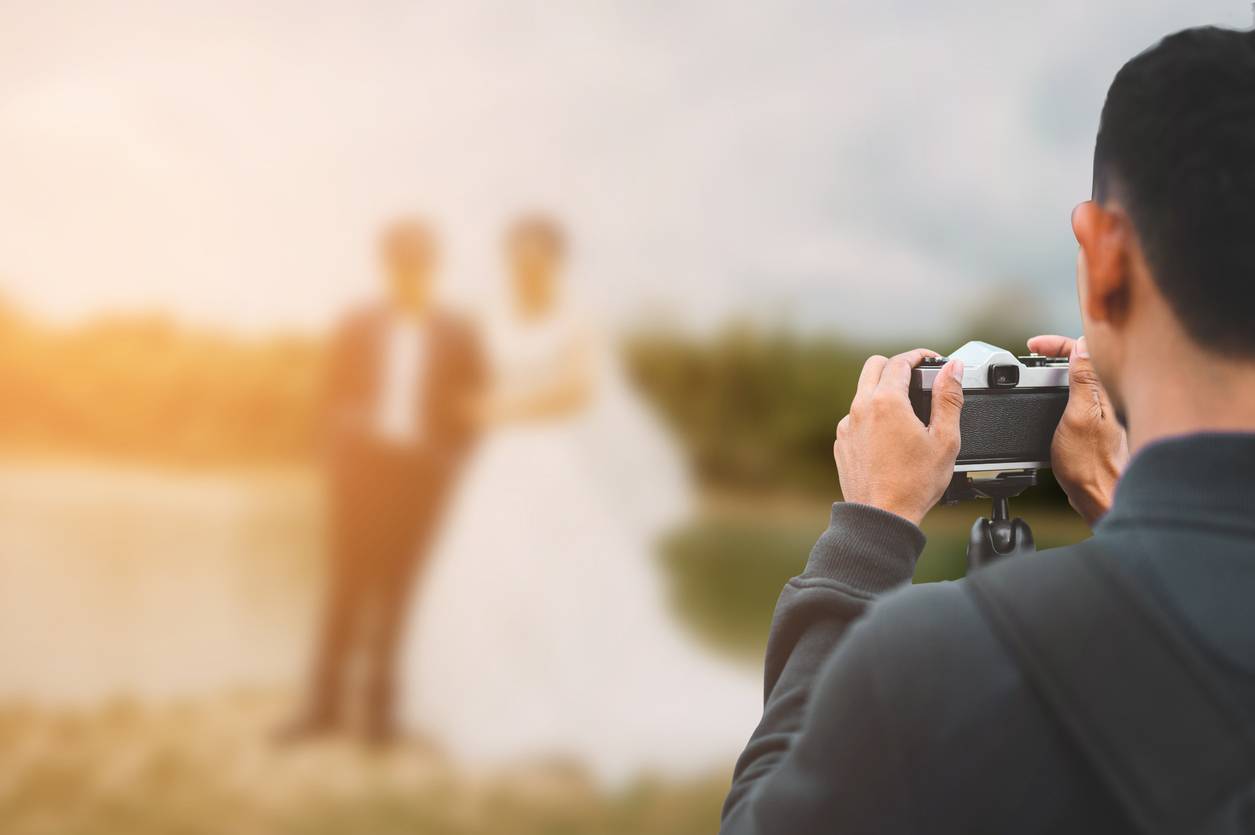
993 539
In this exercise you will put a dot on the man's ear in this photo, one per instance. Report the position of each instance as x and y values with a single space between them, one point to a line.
1104 236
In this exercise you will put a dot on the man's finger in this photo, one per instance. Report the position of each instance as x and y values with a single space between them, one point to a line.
870 375
896 375
1052 345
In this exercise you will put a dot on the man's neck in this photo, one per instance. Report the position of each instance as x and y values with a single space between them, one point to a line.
412 310
1200 394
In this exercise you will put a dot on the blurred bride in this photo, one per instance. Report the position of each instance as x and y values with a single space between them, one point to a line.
543 631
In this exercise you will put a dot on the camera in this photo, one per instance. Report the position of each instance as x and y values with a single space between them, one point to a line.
1011 406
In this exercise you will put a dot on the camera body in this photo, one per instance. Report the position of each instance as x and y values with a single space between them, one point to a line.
1011 406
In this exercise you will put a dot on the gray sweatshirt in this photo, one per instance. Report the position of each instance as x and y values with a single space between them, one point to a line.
894 708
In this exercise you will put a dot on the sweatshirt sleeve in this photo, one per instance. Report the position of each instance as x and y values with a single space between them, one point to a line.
864 553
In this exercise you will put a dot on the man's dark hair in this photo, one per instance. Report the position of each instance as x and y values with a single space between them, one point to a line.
1176 146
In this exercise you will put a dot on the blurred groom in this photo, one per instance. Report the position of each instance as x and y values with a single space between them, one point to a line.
403 374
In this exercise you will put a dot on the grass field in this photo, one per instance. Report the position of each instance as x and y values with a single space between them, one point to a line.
201 767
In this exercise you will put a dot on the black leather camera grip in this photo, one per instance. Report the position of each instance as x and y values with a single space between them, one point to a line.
1002 425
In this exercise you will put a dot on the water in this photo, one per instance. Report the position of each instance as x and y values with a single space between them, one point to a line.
124 583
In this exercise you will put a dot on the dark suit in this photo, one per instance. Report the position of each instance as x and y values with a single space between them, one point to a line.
385 500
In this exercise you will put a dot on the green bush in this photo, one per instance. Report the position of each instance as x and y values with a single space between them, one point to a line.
757 409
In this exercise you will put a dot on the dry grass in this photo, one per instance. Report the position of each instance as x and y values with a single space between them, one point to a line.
206 767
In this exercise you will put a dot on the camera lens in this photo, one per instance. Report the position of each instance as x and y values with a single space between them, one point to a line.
1004 376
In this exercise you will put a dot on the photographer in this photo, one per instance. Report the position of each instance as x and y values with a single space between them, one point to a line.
932 708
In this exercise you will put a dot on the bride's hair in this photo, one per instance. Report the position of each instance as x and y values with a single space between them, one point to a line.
540 227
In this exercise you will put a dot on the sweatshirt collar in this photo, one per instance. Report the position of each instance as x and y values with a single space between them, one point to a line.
1201 476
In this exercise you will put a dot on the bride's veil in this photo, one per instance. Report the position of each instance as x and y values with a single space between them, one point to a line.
631 459
631 454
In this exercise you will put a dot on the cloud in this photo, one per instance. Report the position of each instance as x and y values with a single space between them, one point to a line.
708 156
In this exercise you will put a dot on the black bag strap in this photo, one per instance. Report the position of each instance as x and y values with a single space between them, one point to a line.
1132 693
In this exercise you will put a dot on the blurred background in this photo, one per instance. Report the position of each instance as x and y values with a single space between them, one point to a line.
753 198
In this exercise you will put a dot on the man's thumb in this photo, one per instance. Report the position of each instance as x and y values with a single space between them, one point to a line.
1082 378
947 401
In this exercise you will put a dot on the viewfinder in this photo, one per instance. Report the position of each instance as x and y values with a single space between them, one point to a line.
1004 376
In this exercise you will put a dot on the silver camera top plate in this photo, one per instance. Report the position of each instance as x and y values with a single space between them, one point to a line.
984 363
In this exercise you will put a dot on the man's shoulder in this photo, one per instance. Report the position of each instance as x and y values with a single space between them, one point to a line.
951 700
457 331
365 317
961 707
458 323
932 643
925 655
934 651
930 630
359 319
946 619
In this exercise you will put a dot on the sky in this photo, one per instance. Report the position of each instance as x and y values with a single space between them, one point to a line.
877 169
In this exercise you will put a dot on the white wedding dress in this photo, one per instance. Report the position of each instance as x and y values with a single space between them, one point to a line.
541 628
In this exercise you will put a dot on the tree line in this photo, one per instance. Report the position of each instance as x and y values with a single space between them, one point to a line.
754 406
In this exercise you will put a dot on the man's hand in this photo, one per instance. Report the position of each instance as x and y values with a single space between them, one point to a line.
1090 447
885 457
